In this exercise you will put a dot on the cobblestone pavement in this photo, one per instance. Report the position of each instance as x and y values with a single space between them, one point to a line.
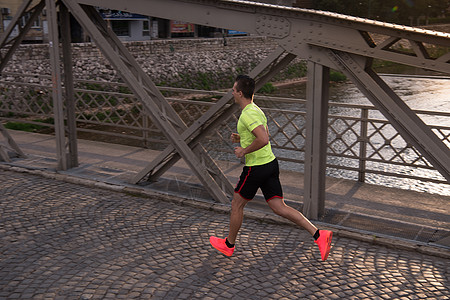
66 241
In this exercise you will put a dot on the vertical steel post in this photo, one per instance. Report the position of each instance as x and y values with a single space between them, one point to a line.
68 87
52 19
316 139
363 145
145 135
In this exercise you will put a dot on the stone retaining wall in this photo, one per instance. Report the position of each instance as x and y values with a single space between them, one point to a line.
166 61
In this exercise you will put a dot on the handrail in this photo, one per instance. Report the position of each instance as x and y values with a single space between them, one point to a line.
100 112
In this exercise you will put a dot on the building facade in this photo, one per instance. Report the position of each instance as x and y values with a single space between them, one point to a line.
38 32
127 26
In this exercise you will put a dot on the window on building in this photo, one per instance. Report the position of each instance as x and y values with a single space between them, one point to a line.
121 28
26 17
145 28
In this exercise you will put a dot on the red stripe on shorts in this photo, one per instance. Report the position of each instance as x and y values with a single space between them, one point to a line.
242 185
273 198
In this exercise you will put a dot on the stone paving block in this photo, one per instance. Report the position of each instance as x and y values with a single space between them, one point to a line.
60 239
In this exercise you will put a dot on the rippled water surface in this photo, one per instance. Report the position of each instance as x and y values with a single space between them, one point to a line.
430 94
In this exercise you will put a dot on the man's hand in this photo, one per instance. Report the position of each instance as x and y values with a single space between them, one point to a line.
239 152
261 139
235 138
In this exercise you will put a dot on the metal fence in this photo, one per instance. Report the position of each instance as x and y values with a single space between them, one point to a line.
360 140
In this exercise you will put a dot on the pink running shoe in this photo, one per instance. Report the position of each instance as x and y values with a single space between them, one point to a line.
324 243
220 245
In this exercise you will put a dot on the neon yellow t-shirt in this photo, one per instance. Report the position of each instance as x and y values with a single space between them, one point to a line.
251 117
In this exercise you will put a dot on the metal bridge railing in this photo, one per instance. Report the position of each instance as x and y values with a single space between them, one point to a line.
360 140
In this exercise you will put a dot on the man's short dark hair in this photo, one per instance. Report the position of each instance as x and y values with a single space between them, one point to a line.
246 85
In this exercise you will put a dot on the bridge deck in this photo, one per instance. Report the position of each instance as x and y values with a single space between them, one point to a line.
326 40
364 208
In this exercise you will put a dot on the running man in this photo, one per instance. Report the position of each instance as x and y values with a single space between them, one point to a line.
260 171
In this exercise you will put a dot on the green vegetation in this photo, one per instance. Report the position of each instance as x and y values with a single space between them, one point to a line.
292 71
295 70
336 76
23 126
92 86
28 126
267 88
382 66
124 90
215 81
407 12
203 81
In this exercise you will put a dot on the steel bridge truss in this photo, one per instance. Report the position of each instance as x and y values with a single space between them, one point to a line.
326 40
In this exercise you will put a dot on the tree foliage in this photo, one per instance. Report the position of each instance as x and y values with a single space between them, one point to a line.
407 12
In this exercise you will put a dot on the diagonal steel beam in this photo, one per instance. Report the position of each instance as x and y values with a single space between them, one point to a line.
168 157
139 82
167 111
130 62
11 144
14 22
402 118
214 116
15 42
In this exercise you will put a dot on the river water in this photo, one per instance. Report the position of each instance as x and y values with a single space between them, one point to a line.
419 93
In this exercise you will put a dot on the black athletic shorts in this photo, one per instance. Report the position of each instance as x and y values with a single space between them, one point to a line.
266 177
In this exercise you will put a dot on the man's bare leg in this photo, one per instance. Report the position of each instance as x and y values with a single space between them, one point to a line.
237 216
282 209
